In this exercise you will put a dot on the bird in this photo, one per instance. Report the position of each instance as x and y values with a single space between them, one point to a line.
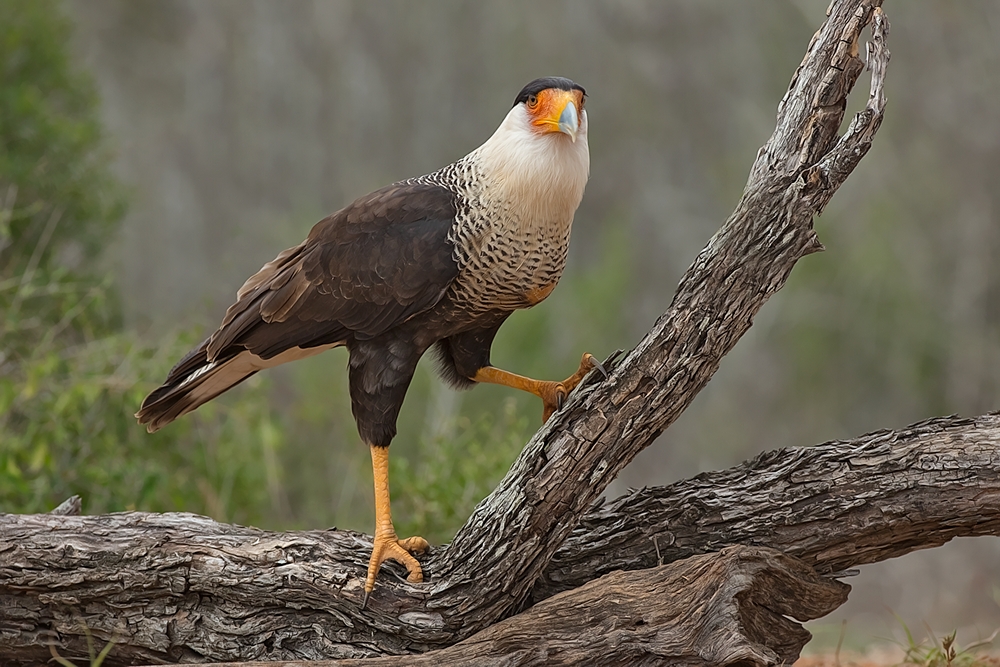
437 262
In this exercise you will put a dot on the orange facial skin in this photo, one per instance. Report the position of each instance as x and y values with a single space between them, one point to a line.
546 108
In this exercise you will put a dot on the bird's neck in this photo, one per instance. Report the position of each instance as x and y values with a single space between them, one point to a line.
538 179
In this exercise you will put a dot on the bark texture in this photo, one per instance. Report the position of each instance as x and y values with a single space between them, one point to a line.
293 596
512 535
728 608
835 506
182 587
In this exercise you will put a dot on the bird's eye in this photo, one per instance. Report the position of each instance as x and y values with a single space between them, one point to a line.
532 101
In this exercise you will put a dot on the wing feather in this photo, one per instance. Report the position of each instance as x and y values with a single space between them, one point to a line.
361 271
268 271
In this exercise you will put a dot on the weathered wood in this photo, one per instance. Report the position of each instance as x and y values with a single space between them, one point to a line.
490 569
72 506
835 506
186 587
728 608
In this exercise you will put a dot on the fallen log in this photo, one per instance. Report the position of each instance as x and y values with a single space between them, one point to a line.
716 610
183 587
835 506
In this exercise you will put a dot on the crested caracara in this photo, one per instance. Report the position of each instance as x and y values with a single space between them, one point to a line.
435 261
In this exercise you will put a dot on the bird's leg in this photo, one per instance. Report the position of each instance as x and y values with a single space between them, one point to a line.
387 545
553 394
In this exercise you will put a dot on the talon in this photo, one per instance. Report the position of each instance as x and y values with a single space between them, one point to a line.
416 545
388 547
560 399
364 600
599 366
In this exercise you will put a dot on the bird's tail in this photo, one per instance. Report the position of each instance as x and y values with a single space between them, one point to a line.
193 381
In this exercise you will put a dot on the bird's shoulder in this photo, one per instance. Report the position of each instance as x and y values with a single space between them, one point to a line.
397 209
365 268
399 232
390 245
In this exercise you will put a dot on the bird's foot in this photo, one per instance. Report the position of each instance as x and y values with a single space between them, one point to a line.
389 547
553 394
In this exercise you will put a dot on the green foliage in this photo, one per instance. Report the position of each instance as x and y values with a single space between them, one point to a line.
58 198
932 652
52 150
66 428
437 487
70 380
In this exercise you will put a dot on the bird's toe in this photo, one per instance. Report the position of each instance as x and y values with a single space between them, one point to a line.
389 547
553 395
415 545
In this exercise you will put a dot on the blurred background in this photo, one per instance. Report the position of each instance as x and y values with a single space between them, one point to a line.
153 154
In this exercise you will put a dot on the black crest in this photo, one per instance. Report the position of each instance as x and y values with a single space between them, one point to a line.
538 85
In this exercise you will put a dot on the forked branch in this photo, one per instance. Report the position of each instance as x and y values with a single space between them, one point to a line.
491 568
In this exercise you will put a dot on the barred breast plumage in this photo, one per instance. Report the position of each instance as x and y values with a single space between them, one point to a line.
512 229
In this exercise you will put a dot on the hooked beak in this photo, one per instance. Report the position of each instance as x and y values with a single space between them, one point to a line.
568 123
558 111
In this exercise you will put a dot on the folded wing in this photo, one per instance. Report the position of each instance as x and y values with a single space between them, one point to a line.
360 272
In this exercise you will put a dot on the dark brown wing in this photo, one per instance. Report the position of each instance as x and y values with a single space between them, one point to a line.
361 271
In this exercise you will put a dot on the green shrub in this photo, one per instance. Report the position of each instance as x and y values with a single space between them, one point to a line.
59 201
435 490
67 427
70 378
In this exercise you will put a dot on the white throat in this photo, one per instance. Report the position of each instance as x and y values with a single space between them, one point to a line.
541 176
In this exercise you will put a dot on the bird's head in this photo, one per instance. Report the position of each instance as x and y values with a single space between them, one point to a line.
553 104
539 155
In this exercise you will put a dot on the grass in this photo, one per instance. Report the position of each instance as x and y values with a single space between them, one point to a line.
95 658
932 652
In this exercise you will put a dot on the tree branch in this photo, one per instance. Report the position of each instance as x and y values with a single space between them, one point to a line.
511 536
183 587
835 506
161 592
728 608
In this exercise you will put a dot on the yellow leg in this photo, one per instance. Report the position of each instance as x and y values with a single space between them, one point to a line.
387 545
552 393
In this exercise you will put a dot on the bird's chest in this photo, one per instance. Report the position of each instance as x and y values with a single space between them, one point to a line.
510 264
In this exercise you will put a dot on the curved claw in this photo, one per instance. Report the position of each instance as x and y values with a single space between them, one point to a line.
553 400
599 366
388 547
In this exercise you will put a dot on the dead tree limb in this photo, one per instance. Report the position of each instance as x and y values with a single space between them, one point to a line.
490 569
728 608
835 506
187 588
512 535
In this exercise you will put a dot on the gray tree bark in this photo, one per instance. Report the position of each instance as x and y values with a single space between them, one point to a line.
834 506
670 615
178 587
